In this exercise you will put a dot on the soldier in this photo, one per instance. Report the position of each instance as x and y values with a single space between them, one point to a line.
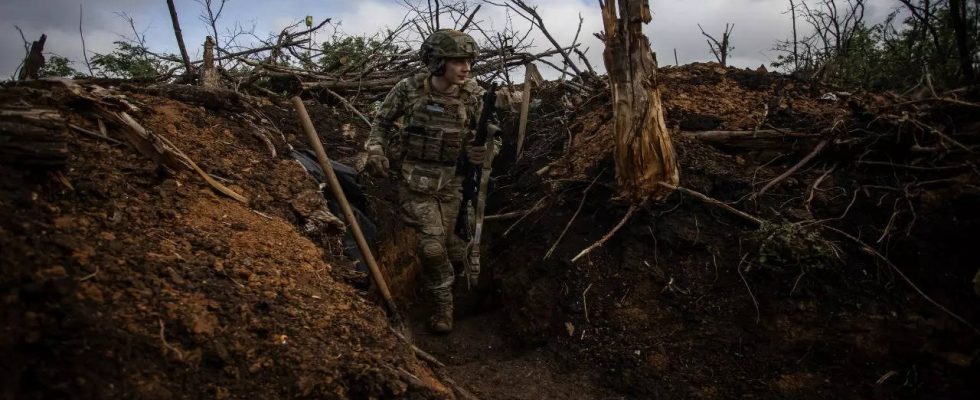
439 109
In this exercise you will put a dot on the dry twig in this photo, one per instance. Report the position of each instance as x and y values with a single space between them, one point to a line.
604 239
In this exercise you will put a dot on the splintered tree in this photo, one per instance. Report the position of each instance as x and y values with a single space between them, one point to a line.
720 49
645 163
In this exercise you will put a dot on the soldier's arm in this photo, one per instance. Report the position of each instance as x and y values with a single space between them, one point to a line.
391 109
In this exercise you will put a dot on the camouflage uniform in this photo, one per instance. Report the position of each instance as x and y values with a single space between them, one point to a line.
437 131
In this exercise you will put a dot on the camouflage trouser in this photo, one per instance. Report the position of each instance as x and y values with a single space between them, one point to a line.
432 213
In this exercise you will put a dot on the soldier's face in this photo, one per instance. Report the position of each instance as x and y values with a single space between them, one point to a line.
457 70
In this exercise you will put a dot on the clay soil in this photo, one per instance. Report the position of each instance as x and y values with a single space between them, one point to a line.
121 279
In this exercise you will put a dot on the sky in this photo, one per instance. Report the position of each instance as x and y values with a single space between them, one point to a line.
758 25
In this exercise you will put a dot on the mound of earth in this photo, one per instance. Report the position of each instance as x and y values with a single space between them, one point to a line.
688 300
122 279
125 278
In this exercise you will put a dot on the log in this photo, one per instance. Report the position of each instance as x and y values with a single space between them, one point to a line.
33 139
644 155
763 139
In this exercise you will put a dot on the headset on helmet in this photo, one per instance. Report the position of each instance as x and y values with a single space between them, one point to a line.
443 44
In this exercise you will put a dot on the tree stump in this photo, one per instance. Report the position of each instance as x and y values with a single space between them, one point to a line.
34 60
209 75
644 153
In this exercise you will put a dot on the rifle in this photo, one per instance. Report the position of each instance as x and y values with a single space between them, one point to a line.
475 182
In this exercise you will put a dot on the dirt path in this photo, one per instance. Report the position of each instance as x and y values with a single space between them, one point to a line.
480 356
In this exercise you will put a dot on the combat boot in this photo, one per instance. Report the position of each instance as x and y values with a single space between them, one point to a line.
442 319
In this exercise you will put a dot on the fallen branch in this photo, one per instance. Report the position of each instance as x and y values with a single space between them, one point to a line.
516 214
870 250
816 150
709 200
163 151
96 135
349 106
604 239
585 195
512 226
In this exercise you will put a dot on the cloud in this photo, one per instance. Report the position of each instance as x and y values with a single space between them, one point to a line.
758 24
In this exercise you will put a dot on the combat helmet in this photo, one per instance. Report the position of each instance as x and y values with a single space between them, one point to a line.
443 44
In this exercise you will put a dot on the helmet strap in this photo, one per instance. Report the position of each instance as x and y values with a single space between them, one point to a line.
438 67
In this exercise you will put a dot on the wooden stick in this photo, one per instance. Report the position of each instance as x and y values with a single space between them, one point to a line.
816 150
348 105
585 194
725 136
338 193
709 200
94 134
470 18
629 213
517 214
525 108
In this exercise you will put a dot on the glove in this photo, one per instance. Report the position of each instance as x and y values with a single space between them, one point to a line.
377 164
476 154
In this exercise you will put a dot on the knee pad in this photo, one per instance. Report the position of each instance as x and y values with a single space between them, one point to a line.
431 252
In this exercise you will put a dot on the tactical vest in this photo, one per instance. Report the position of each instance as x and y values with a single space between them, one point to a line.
436 125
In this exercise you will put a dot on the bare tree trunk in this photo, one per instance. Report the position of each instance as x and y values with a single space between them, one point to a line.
188 69
82 35
957 12
34 60
644 153
209 76
796 41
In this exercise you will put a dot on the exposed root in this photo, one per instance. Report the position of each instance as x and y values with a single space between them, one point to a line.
596 245
870 250
585 195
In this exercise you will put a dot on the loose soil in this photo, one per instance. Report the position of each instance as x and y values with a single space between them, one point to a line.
121 279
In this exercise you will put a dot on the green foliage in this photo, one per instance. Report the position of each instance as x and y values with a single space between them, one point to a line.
351 50
58 66
894 54
128 61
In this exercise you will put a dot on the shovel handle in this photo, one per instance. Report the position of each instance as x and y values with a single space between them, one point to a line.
338 193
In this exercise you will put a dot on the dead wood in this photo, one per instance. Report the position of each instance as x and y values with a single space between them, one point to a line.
644 154
700 196
188 69
531 76
81 34
816 150
535 18
606 237
209 76
585 195
33 138
34 60
161 150
751 140
721 48
97 135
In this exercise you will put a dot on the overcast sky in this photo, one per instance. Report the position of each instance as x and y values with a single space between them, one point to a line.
758 24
